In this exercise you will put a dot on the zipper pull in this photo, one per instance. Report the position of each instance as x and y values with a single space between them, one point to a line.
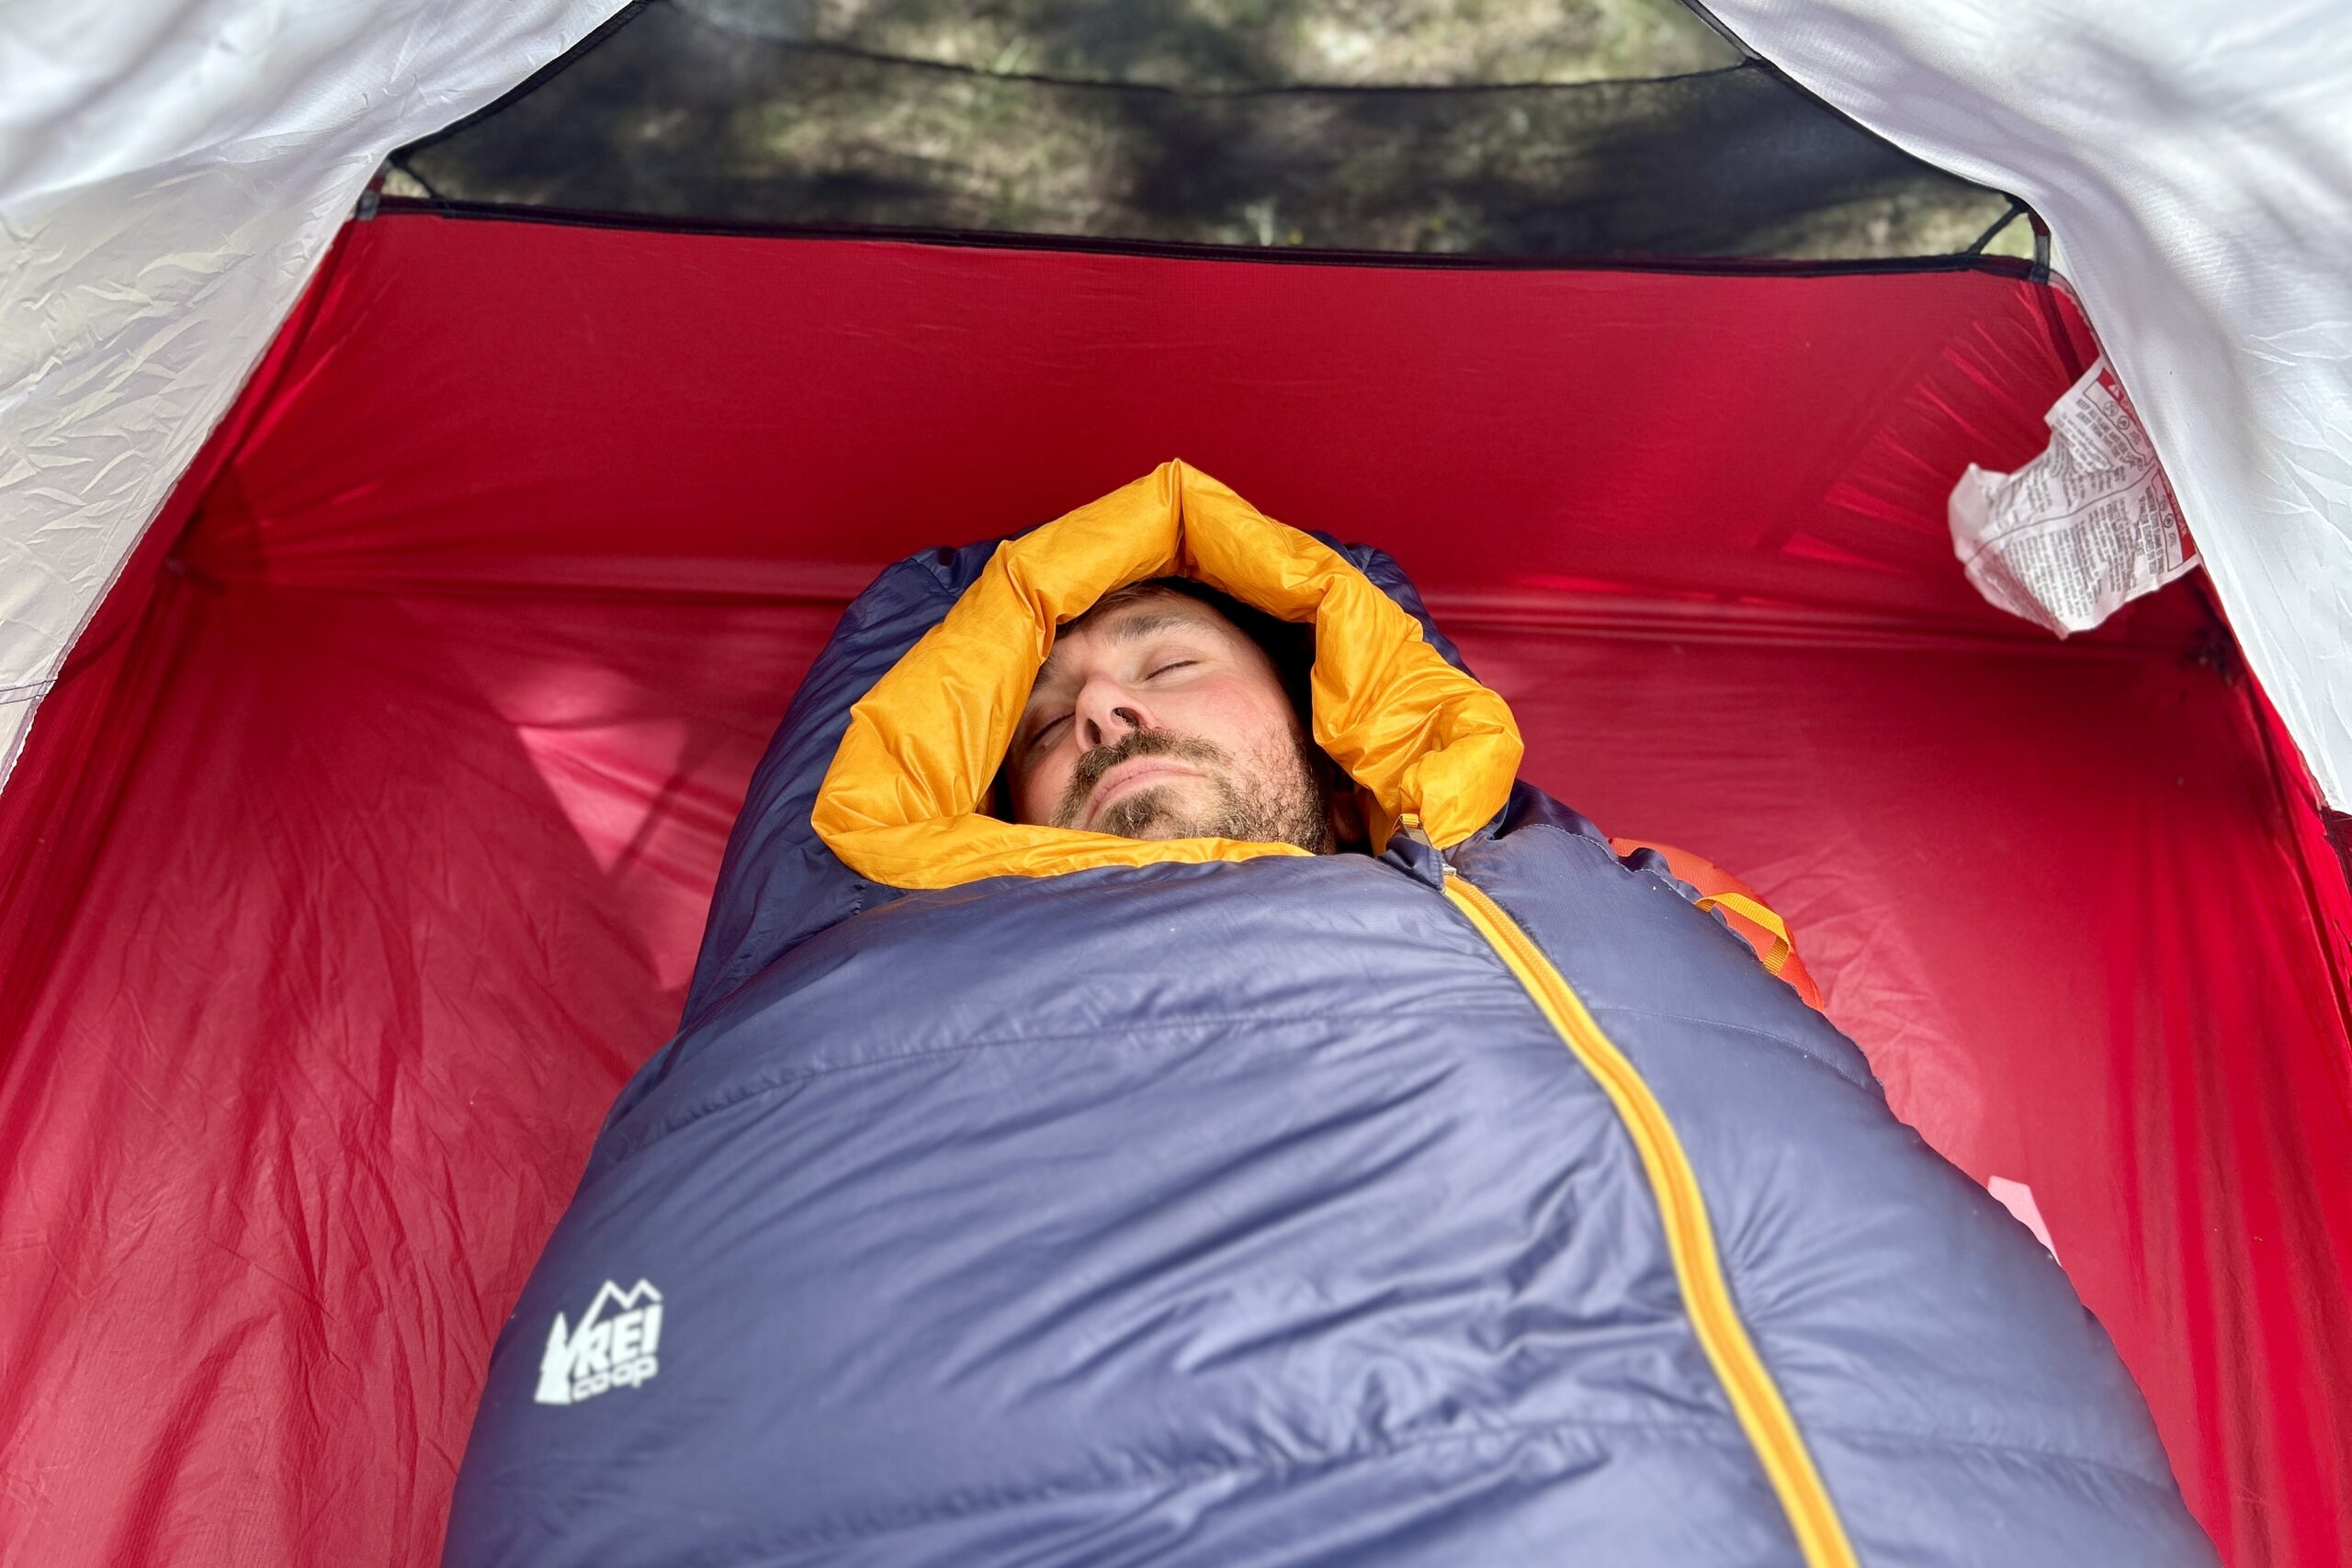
1408 826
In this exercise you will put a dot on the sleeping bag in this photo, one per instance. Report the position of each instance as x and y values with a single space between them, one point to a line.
1021 1195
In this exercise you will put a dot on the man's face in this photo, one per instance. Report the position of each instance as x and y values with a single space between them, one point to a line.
1156 717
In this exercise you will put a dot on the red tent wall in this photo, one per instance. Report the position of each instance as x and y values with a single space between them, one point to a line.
364 848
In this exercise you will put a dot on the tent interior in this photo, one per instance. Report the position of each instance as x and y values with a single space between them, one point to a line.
363 848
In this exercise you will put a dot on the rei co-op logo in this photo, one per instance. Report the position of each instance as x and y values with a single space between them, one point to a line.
613 1348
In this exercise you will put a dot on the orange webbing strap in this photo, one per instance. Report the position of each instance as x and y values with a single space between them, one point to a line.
1750 916
1777 958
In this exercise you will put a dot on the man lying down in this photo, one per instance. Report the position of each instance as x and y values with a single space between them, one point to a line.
1268 1140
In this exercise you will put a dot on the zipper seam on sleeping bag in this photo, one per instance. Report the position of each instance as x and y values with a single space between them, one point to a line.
1755 1399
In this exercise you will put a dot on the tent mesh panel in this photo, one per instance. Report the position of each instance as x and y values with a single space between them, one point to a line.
731 111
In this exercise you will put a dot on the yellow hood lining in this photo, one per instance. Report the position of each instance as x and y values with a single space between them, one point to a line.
901 803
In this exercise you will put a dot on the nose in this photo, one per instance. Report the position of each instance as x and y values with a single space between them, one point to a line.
1105 711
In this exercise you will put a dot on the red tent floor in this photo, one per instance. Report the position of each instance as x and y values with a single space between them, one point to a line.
364 848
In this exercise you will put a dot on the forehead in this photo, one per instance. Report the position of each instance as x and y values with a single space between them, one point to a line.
1148 616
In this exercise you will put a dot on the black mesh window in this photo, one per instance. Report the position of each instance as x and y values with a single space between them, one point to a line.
1593 128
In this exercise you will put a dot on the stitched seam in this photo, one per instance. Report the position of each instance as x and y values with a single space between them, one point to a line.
797 833
1629 1009
798 1077
2017 1451
1882 1433
1635 1010
1719 1431
1575 838
1662 875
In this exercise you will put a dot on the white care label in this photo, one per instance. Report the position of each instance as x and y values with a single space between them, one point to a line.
2087 527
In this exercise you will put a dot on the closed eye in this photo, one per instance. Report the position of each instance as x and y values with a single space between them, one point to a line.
1039 736
1174 664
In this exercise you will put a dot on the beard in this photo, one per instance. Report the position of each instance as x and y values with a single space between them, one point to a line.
1273 798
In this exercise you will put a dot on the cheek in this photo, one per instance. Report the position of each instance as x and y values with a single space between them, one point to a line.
1238 715
1041 785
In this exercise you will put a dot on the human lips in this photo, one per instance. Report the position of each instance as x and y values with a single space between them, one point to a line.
1135 772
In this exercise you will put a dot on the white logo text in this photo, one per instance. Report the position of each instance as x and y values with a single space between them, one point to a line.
613 1346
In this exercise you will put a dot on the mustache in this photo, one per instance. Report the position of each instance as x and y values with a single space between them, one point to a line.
1091 768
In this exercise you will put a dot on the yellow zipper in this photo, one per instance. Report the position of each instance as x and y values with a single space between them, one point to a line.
1763 1414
